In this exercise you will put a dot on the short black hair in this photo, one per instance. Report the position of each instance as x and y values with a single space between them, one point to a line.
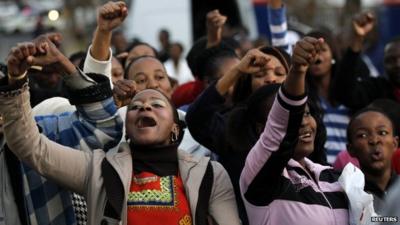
365 110
208 62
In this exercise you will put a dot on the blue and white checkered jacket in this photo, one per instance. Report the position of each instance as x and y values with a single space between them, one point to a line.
95 125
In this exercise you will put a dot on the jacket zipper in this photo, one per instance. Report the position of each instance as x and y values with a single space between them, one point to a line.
323 194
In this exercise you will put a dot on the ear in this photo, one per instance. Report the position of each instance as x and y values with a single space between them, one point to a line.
351 150
175 129
395 142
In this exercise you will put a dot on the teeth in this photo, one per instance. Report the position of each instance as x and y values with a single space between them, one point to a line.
305 135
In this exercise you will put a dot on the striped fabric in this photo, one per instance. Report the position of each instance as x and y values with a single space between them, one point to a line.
277 189
92 126
336 120
278 28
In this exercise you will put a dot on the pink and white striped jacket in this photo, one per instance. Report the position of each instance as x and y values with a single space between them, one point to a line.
276 189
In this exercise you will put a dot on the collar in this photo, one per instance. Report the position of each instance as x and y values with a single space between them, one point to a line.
161 160
371 187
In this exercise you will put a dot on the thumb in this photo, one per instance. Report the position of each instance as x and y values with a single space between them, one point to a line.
30 60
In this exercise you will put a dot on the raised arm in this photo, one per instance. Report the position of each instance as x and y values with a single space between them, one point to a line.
278 25
276 144
204 118
352 92
96 121
57 162
109 16
215 24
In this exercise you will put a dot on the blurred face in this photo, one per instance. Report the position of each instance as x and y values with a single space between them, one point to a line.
164 38
48 77
392 62
119 42
226 64
307 133
140 50
175 52
117 71
275 74
323 64
149 119
149 73
372 142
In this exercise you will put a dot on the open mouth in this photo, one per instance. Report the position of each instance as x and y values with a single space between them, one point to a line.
145 121
306 135
377 155
319 61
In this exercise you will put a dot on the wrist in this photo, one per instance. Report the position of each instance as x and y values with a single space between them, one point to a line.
68 67
357 43
103 31
17 77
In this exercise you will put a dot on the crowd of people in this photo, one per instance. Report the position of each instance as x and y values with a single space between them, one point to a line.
235 133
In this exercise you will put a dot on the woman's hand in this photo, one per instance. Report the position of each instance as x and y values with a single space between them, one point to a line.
305 53
215 23
49 55
362 25
124 91
111 15
253 62
20 59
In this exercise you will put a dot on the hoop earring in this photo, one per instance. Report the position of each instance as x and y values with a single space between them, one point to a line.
174 137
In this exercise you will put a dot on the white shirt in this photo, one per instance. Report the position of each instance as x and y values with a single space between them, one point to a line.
182 73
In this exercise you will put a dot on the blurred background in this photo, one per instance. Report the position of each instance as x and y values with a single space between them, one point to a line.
22 20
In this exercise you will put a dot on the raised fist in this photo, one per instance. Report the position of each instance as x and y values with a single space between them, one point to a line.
306 53
20 58
363 23
124 91
111 15
215 22
253 62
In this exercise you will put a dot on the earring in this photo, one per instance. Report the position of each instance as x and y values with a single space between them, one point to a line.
333 61
174 137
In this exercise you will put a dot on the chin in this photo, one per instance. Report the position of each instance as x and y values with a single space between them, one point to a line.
304 150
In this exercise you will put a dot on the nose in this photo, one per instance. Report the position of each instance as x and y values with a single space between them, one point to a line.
373 139
153 84
145 107
269 78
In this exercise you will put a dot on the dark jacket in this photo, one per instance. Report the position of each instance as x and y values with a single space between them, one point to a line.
356 92
207 119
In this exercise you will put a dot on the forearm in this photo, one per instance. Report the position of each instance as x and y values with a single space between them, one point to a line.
93 65
101 45
275 146
278 25
226 82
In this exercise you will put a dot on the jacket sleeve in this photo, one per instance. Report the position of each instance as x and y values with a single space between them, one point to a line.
261 178
93 65
205 122
351 90
223 207
58 163
96 121
278 26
